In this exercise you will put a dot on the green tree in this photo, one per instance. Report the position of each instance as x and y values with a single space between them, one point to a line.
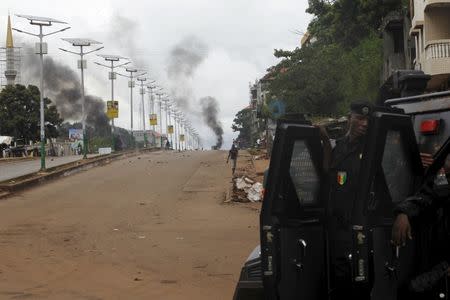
343 62
20 113
242 123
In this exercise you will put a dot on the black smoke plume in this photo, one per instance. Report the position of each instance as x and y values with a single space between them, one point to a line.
210 110
62 85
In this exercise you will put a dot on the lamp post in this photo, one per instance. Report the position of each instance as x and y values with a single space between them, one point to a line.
151 104
183 145
166 100
112 76
131 84
41 49
82 64
160 117
177 131
142 92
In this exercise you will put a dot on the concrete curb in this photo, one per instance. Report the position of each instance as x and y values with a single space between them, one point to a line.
14 185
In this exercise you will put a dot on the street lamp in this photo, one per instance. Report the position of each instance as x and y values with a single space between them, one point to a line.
177 137
166 100
131 84
142 92
177 113
150 88
112 76
82 64
160 94
41 49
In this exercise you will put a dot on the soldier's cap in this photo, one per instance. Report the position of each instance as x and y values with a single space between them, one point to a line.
364 108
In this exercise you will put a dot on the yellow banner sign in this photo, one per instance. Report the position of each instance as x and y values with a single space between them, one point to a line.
170 129
181 137
112 109
153 119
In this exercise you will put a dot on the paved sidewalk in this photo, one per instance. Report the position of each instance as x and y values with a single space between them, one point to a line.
15 169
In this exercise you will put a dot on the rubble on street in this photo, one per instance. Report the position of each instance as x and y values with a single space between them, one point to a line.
247 183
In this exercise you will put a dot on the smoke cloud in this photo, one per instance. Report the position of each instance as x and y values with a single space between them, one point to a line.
186 56
184 59
124 34
210 110
62 85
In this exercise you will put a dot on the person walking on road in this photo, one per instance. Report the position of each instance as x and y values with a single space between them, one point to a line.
233 154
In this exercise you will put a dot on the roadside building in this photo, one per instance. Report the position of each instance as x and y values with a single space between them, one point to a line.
265 111
430 33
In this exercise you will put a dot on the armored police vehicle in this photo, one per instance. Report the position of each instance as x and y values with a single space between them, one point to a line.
293 259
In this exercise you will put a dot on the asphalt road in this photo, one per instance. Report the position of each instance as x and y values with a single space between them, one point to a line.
10 170
150 227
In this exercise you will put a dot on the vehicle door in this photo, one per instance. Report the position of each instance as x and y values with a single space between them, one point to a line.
391 170
293 237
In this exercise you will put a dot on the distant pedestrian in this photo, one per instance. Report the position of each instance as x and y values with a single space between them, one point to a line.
233 154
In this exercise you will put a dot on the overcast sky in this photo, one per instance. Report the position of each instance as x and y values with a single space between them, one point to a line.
240 36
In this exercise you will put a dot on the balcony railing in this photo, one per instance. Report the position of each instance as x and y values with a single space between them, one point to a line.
438 49
437 3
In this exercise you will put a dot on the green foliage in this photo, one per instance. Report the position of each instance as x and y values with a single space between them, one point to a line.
242 123
343 63
20 113
98 142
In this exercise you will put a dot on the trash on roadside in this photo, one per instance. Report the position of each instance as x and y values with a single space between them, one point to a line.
254 194
247 190
242 184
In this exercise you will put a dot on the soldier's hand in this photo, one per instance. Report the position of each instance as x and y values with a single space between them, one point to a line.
448 272
427 159
401 230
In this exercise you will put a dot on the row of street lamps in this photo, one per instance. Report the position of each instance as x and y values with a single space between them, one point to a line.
183 127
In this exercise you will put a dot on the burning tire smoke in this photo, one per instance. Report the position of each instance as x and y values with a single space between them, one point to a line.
184 59
210 110
62 86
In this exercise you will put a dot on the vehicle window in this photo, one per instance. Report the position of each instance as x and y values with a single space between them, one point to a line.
396 167
303 173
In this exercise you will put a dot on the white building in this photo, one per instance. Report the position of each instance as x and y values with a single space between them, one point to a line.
430 31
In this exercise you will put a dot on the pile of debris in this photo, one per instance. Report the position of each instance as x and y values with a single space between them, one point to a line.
246 189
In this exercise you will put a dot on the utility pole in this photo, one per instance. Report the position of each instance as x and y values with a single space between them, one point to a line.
131 85
166 100
169 124
151 104
142 92
160 117
82 64
112 76
177 130
41 49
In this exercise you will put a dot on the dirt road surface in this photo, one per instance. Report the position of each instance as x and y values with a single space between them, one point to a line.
150 227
